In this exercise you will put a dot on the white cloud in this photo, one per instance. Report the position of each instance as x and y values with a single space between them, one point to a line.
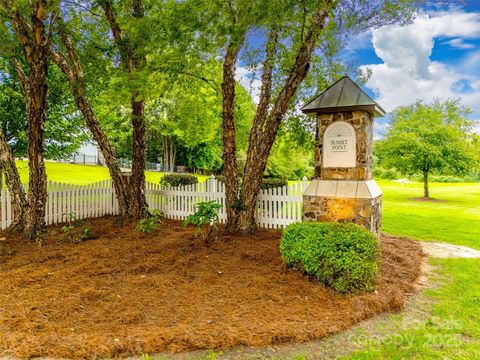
470 63
380 128
360 41
476 126
459 44
408 73
249 81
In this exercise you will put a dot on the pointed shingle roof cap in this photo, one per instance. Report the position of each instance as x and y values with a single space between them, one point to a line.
343 95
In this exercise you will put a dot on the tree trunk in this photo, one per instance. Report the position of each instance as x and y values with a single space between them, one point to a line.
34 42
136 61
37 184
425 184
137 181
168 153
229 142
172 155
133 59
260 146
254 172
13 183
75 77
119 182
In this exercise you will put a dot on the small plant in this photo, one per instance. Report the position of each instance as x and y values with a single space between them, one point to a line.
41 238
344 257
150 223
76 231
205 218
178 180
211 355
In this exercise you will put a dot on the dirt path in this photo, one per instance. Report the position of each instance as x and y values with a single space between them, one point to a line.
443 250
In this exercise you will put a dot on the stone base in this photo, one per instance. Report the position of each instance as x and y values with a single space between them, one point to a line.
363 212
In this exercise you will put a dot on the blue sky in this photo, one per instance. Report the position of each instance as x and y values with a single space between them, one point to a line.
437 56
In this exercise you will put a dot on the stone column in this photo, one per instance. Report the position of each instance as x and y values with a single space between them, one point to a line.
346 193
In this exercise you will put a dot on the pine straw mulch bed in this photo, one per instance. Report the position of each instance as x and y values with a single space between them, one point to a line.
126 293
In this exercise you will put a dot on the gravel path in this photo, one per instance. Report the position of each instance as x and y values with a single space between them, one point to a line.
443 250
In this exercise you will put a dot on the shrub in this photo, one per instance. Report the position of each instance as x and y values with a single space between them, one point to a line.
220 178
178 179
76 231
387 174
272 183
344 257
267 183
150 223
205 218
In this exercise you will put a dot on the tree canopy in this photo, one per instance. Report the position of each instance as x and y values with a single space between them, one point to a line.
428 138
158 80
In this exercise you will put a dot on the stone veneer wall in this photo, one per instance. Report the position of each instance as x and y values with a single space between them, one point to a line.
362 122
363 212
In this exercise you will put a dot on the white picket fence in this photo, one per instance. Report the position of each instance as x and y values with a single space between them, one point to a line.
275 207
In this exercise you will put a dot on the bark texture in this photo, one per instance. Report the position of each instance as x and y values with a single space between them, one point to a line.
169 152
14 186
133 60
33 37
72 68
266 123
426 193
137 181
229 143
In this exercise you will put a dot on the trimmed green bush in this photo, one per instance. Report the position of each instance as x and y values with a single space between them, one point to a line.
272 183
220 178
178 179
344 257
267 183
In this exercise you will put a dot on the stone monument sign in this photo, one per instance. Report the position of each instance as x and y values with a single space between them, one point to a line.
343 188
339 145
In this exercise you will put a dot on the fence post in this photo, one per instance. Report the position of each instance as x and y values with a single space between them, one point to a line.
3 204
304 185
213 185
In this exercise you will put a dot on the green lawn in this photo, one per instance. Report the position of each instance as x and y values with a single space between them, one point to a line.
450 329
455 219
80 174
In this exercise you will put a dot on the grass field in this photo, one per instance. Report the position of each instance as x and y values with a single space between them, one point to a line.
79 174
450 327
447 327
454 219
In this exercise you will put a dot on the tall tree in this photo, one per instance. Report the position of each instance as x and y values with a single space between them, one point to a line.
188 120
14 186
429 138
293 32
29 22
72 68
133 59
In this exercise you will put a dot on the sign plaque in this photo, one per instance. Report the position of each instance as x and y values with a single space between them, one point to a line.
339 146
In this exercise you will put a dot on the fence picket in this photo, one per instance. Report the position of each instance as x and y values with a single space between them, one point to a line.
276 208
3 209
